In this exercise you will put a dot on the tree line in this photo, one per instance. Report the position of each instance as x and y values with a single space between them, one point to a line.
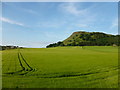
9 47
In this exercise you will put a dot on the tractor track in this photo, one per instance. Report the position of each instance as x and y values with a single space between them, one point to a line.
26 68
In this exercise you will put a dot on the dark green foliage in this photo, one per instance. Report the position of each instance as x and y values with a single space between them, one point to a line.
56 44
8 47
89 39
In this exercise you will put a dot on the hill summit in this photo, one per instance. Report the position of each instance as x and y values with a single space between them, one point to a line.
82 38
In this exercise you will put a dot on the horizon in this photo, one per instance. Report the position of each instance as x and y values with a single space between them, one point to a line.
57 41
38 24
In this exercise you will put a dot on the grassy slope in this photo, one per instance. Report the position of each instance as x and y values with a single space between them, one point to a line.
75 37
63 67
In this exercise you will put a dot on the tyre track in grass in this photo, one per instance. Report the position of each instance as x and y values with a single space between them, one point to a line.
72 75
26 62
26 68
76 74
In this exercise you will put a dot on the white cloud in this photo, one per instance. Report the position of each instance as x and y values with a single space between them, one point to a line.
40 44
72 8
11 21
114 23
83 17
29 10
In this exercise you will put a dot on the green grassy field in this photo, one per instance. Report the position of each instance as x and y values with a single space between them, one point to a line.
61 67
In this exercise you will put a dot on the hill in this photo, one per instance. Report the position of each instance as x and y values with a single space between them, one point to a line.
82 38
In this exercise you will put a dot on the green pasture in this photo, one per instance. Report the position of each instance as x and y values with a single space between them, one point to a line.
61 67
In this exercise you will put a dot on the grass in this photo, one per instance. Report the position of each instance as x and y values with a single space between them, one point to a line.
61 67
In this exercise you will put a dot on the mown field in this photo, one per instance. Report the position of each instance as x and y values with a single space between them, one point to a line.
61 67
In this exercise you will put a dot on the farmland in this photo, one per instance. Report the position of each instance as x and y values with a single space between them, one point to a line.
61 67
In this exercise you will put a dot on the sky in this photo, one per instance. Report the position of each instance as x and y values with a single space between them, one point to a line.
37 24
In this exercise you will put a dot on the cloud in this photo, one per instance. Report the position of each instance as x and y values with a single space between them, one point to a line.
83 17
11 21
73 9
28 10
40 44
114 23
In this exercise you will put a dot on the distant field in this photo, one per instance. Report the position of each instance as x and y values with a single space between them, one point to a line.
61 67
